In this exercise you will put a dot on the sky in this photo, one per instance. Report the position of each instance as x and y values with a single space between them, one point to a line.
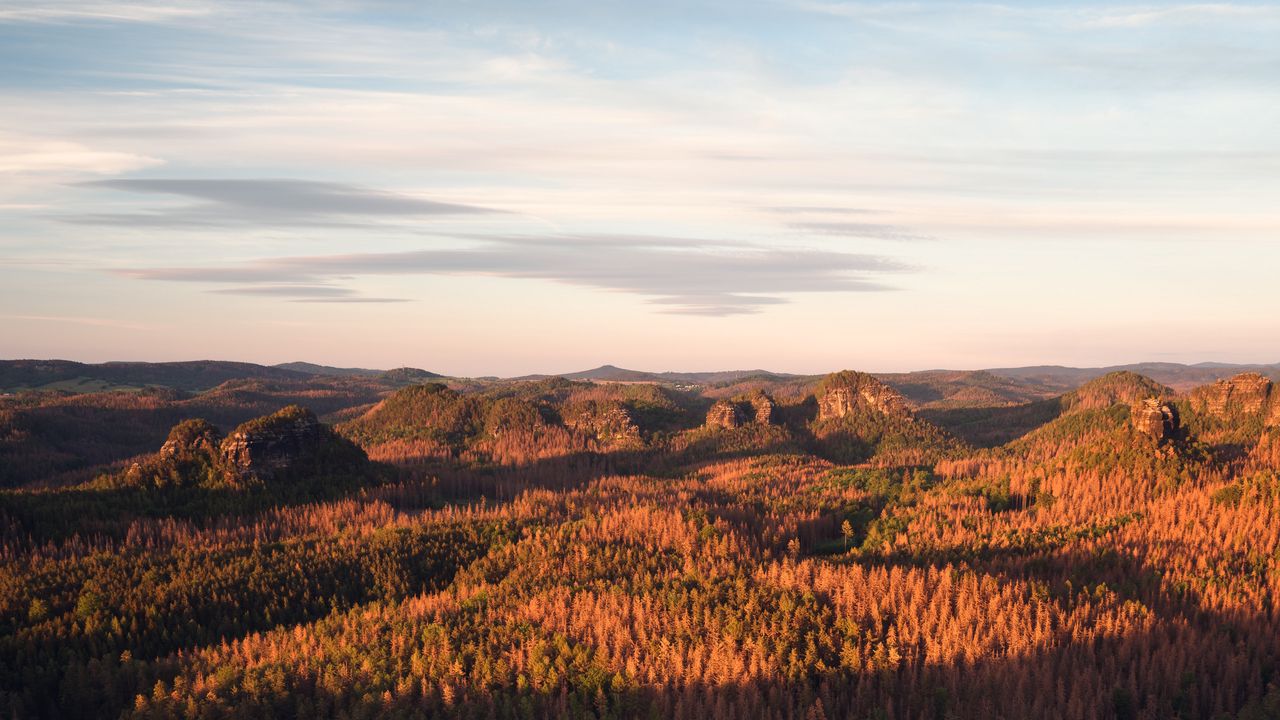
509 187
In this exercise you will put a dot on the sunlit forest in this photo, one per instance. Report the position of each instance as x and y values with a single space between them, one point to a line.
914 547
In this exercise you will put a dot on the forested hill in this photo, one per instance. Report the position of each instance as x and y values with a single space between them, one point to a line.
940 545
195 375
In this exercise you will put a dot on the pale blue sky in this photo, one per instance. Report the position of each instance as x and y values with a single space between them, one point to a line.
511 187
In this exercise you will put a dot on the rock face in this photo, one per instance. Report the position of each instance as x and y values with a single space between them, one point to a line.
764 407
610 425
262 449
847 392
728 414
1244 394
1157 420
288 440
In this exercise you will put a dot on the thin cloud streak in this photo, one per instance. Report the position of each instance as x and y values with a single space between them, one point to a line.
298 291
862 230
354 300
53 11
689 277
266 202
821 210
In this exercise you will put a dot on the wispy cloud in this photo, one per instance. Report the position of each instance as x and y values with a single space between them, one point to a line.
28 155
54 11
681 276
354 300
861 230
821 210
306 293
265 202
1137 16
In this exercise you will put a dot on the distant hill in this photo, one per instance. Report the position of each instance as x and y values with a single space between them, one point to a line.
408 376
926 389
314 369
189 376
956 388
940 389
943 389
192 375
612 373
1177 376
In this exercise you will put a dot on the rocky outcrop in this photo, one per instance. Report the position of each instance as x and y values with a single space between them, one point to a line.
848 392
1155 419
726 414
285 441
1245 394
757 408
764 408
291 442
190 457
190 438
610 425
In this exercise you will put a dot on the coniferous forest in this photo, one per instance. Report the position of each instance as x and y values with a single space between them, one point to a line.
917 546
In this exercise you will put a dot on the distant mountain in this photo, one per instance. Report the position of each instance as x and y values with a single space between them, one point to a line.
192 375
612 373
1176 375
314 369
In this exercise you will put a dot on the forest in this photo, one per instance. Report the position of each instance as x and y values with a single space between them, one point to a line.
901 547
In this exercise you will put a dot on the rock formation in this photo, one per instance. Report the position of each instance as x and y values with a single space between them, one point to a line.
847 392
1245 394
609 424
1155 419
189 438
764 408
728 414
289 442
276 444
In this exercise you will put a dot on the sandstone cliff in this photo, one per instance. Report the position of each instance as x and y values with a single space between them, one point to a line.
290 443
1245 395
757 407
610 425
845 393
726 414
291 440
1155 419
